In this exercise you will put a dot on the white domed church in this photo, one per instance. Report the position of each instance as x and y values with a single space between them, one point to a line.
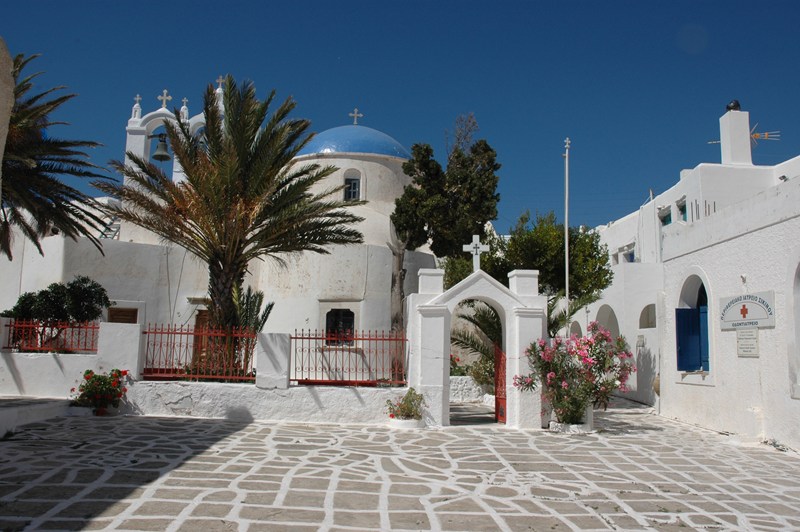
151 281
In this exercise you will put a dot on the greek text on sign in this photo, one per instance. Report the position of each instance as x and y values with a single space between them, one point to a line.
748 311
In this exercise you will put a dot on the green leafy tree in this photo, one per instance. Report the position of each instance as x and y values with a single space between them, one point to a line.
78 301
243 197
539 245
443 207
34 199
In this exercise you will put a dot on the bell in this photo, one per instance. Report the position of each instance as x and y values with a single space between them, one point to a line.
161 153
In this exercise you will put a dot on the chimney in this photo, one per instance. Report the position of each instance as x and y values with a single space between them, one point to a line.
734 136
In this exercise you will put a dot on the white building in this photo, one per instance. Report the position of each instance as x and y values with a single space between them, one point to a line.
154 282
680 264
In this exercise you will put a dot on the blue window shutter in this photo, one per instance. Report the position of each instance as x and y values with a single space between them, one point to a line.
687 338
703 316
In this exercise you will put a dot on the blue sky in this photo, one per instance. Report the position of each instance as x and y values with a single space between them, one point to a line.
638 86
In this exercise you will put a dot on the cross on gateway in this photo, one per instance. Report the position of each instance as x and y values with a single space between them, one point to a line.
164 99
476 249
356 115
744 312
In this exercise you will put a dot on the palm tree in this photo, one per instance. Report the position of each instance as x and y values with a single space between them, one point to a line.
485 333
243 198
34 200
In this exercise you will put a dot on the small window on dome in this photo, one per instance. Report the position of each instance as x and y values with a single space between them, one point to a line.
352 185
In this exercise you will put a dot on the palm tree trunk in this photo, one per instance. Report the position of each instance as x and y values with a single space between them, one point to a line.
398 279
396 308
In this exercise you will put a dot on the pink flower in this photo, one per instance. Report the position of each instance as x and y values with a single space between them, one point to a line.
564 384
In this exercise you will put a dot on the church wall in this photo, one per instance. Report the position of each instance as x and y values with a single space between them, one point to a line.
160 278
29 271
354 277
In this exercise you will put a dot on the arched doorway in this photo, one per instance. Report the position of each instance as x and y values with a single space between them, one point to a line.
477 365
524 318
608 319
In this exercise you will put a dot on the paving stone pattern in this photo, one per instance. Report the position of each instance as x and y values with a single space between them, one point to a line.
638 472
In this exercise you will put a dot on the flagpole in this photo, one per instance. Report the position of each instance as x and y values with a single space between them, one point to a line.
566 235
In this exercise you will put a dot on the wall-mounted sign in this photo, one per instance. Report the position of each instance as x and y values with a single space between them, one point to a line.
747 311
747 342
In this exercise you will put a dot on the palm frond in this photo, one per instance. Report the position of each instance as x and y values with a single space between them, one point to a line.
34 199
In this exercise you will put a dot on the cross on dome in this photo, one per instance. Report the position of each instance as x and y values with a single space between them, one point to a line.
475 248
164 99
356 115
220 80
137 99
185 101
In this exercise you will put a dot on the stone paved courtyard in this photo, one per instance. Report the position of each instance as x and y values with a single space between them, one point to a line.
638 472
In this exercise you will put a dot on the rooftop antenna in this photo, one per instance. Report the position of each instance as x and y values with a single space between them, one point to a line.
766 135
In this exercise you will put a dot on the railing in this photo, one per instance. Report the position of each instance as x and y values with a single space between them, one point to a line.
368 358
59 337
182 352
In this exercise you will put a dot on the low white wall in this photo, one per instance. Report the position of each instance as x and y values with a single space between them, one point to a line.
54 374
270 398
303 404
465 390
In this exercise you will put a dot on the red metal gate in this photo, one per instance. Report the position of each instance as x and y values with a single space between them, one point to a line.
499 385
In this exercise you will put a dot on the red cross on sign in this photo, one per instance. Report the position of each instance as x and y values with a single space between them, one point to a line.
743 312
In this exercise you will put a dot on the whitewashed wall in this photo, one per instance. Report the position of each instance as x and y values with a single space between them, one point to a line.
270 398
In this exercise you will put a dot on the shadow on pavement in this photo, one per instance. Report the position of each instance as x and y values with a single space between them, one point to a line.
61 473
471 414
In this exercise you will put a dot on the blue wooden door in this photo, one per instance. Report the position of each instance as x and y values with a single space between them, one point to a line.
687 337
703 330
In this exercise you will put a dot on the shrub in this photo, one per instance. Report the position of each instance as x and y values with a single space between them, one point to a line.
100 391
407 407
577 372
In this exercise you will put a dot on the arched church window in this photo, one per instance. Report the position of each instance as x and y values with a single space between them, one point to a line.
339 325
352 185
691 327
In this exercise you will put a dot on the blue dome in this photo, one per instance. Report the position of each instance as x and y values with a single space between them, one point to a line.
354 139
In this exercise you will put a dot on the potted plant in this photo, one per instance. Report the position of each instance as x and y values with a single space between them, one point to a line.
577 374
406 411
99 391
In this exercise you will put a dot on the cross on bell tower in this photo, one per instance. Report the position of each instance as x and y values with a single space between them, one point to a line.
164 98
475 248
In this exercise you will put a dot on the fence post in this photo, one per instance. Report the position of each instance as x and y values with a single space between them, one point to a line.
272 360
118 347
4 332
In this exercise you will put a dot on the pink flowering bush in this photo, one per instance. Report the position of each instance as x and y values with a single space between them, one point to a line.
578 372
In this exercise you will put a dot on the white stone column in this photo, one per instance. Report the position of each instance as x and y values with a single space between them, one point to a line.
434 363
273 356
526 325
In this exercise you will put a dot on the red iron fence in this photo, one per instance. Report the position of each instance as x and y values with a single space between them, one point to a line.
59 337
182 352
368 358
